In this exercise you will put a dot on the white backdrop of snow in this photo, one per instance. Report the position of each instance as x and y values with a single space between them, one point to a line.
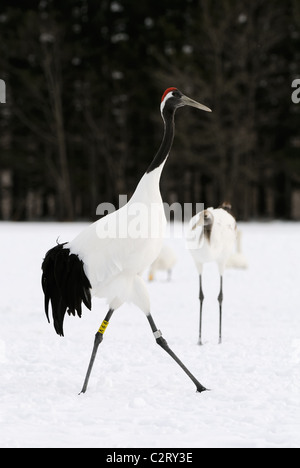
138 396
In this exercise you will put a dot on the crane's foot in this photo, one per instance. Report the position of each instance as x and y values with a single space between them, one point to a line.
201 389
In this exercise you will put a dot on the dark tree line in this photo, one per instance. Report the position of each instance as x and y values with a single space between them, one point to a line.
83 81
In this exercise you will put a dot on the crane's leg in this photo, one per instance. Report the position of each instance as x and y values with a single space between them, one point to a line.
98 340
220 300
162 342
201 299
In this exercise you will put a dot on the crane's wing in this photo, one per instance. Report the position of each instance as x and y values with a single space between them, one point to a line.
111 246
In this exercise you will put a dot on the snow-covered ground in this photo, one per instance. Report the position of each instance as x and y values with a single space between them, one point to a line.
138 396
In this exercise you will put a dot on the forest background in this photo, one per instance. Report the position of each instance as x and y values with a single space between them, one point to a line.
83 80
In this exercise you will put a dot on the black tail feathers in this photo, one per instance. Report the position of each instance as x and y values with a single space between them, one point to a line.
65 285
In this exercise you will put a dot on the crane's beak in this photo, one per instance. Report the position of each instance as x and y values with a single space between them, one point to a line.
186 101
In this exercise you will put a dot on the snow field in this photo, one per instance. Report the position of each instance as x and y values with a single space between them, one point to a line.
138 396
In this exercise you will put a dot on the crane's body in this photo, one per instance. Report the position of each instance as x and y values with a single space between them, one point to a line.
212 235
108 258
118 248
164 262
215 231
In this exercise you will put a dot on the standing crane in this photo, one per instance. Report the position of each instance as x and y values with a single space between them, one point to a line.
211 236
108 258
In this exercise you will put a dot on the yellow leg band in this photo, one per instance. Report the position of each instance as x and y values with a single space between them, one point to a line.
103 327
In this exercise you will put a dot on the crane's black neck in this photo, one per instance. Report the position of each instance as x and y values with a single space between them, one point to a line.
167 141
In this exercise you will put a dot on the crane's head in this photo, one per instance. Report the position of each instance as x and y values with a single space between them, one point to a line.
173 98
205 218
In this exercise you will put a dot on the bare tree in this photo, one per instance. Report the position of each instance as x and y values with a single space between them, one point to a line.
51 44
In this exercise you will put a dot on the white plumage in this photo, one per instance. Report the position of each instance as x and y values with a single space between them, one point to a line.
165 261
210 238
118 248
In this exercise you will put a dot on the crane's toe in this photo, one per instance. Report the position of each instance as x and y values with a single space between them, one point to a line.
201 389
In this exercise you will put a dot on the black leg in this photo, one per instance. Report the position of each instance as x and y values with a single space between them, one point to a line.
201 298
162 342
220 300
98 340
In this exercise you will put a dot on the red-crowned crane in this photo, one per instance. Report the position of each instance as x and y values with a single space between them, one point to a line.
211 237
108 258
